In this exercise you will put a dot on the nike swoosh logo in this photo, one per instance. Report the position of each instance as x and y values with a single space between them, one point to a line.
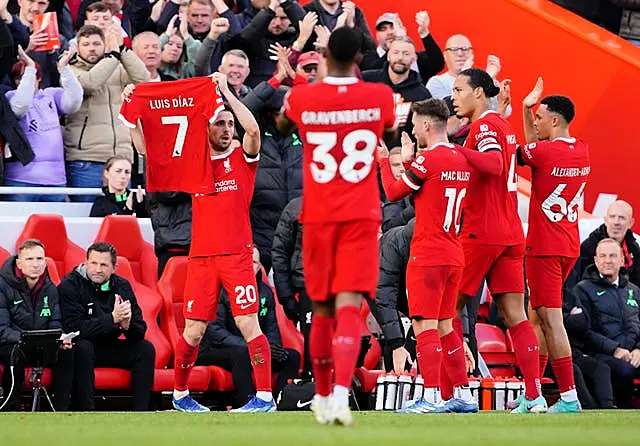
438 349
16 302
600 293
451 352
300 404
245 306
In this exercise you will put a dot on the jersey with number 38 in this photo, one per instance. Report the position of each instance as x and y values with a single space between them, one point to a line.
491 207
559 172
175 117
340 121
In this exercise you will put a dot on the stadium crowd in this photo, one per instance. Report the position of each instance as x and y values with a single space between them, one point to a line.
59 115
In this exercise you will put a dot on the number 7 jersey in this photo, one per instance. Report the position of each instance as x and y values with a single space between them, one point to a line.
175 117
340 121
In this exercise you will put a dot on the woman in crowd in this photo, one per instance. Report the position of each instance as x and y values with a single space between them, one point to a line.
39 111
117 198
179 50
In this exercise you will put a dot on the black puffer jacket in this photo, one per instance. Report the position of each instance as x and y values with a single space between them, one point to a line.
170 214
613 312
588 252
112 204
279 175
577 324
286 253
397 213
411 90
390 292
18 312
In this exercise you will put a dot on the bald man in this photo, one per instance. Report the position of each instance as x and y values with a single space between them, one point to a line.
617 225
458 55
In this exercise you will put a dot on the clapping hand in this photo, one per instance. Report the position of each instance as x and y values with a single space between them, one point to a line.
63 61
534 96
408 149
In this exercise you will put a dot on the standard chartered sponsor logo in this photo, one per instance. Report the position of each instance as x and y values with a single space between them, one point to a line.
226 185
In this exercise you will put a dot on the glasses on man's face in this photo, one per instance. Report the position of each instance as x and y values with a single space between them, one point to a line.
463 49
310 68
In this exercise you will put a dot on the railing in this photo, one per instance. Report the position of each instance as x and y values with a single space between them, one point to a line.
44 190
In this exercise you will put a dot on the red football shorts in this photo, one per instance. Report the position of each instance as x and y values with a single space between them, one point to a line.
545 277
340 257
502 266
432 291
204 277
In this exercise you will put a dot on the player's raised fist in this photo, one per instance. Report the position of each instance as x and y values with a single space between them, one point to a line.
219 26
534 96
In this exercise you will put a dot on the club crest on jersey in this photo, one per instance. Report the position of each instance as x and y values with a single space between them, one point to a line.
227 165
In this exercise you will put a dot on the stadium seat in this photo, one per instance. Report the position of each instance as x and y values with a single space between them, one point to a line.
123 232
53 271
367 378
372 358
4 255
492 345
51 231
171 288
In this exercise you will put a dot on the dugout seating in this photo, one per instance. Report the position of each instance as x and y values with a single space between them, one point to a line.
4 255
123 232
492 345
52 232
53 271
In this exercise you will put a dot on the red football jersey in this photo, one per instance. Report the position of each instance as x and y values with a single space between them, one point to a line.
340 121
441 176
220 221
175 117
491 207
559 172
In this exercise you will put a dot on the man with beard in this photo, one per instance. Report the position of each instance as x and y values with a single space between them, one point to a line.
405 83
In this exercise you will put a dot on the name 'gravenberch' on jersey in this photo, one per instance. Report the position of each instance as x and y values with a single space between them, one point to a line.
341 116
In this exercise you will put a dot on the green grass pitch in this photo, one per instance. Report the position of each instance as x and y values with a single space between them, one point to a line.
299 428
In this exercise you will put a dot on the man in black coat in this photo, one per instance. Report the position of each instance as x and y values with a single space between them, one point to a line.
29 301
612 306
223 345
617 225
102 307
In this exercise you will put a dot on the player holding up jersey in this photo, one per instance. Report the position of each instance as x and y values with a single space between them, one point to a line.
221 245
492 235
340 120
559 172
439 177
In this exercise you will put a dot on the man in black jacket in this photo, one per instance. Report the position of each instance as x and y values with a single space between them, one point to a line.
29 301
288 274
223 345
102 307
170 214
406 83
617 225
612 306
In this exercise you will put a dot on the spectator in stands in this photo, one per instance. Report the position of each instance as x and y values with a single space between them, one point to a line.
288 275
100 15
39 112
200 13
405 82
102 307
271 25
209 56
146 46
94 133
130 18
170 214
21 30
29 301
389 25
279 176
179 51
397 213
612 307
223 345
594 392
235 64
246 16
617 225
117 198
458 57
331 14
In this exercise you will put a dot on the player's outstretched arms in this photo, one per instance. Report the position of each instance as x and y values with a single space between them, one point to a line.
527 111
489 162
251 141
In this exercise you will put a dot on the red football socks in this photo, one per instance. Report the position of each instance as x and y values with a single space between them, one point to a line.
457 327
543 363
429 353
185 357
453 359
346 344
526 348
563 369
320 352
260 354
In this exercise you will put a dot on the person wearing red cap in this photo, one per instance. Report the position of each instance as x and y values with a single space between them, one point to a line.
308 65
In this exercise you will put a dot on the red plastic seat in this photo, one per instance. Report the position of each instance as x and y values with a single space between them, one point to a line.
372 358
51 231
53 271
367 378
4 255
492 345
123 232
171 288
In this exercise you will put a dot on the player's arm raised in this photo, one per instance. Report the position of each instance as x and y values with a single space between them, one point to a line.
397 189
251 141
527 111
489 162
